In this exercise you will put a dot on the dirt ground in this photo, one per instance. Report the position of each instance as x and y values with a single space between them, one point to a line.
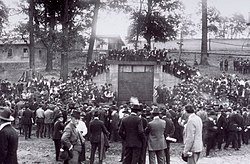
41 151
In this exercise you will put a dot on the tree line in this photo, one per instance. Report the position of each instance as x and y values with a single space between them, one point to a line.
60 24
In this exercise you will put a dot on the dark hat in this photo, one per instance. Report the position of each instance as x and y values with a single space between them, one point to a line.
212 112
164 112
189 108
76 114
5 114
58 115
126 111
244 109
156 111
136 107
96 113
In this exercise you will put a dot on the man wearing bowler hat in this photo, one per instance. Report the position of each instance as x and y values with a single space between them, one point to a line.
132 132
72 139
8 138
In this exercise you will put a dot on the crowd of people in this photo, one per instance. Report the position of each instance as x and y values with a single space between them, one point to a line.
144 54
77 111
172 66
241 65
222 103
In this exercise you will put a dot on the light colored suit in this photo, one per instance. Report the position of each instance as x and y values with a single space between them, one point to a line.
156 140
193 134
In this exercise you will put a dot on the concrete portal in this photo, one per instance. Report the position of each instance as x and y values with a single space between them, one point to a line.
135 78
135 81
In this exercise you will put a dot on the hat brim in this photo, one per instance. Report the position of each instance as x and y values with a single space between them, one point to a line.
7 119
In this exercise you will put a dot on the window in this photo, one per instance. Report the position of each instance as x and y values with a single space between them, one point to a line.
138 68
126 68
10 53
25 52
40 53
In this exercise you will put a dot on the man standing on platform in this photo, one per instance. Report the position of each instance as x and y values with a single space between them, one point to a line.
192 136
131 131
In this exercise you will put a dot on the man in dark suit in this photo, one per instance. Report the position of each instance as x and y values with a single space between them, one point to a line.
234 125
57 133
170 128
97 132
27 122
114 125
131 131
221 126
211 130
8 138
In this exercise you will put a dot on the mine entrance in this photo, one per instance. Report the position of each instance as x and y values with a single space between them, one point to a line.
136 81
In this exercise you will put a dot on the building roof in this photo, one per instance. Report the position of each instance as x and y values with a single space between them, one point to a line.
15 41
116 38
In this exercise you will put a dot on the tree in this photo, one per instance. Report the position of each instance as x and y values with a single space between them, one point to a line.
93 31
204 55
158 20
237 24
49 18
214 19
31 34
119 5
187 26
3 15
223 27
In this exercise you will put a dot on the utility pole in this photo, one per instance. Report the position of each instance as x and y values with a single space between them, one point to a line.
180 45
31 35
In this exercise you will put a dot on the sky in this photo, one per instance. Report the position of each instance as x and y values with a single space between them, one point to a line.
117 23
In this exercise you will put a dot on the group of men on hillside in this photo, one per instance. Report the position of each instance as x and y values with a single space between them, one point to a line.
241 65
